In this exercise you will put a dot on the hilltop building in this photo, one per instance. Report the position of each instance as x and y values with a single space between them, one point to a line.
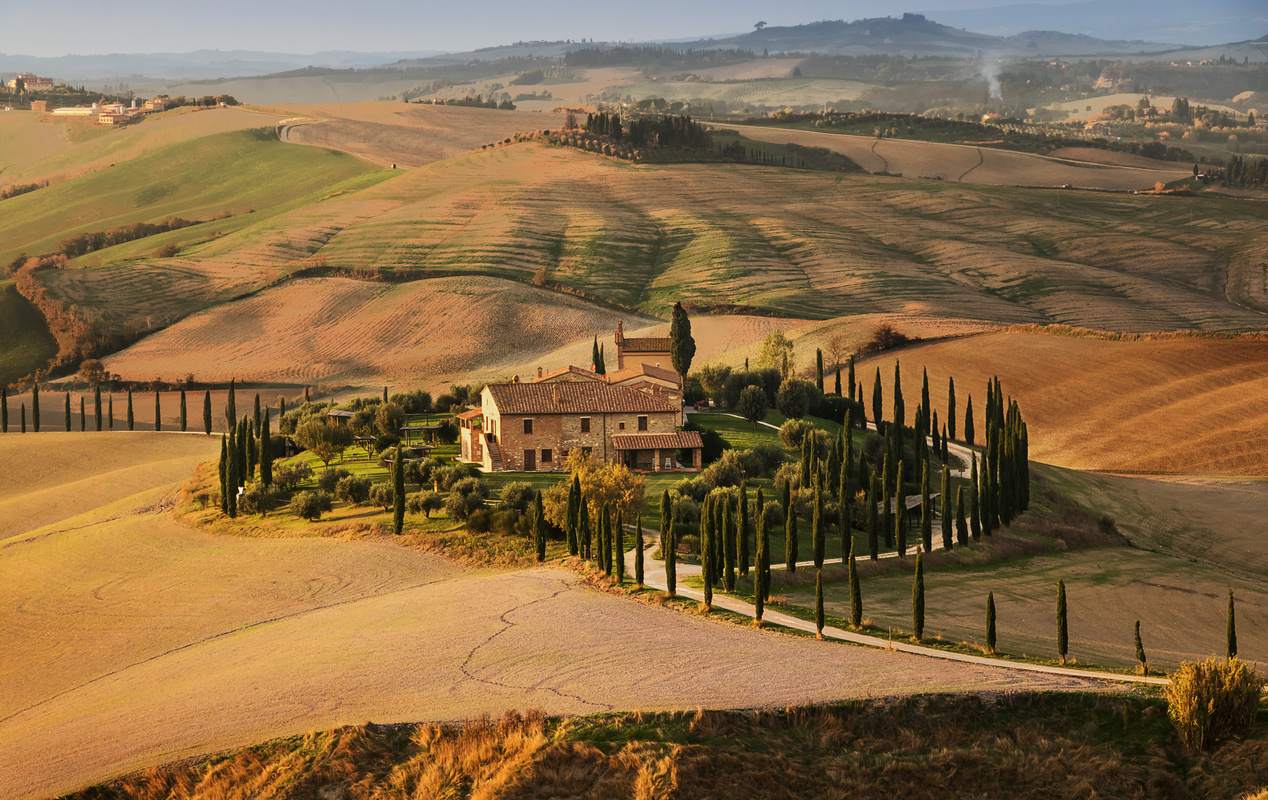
31 83
535 426
631 351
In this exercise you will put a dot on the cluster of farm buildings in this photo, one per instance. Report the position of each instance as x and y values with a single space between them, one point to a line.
104 113
630 416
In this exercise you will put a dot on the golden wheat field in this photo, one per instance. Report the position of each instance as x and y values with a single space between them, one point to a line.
1170 405
955 162
179 643
805 244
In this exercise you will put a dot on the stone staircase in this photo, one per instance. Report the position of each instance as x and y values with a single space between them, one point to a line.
495 453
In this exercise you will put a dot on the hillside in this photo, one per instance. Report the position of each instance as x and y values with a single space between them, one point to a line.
1179 406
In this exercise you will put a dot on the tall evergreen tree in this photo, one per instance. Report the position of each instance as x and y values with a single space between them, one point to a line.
638 551
398 485
873 532
990 623
1230 629
4 409
706 560
158 412
266 452
968 422
671 560
926 509
96 406
742 549
281 408
878 399
184 413
975 518
900 413
231 475
35 406
819 369
539 527
1063 632
207 413
618 547
572 523
856 594
1140 652
68 412
817 537
605 547
918 600
943 449
666 511
837 382
760 558
819 603
850 379
584 530
900 511
951 406
306 398
223 465
110 411
255 413
131 418
944 503
594 355
924 403
83 417
961 525
231 404
887 505
23 417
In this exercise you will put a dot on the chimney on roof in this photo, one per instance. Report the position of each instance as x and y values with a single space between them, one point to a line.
539 372
515 379
620 331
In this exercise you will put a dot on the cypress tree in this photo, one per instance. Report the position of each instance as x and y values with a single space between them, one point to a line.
539 525
877 399
583 530
572 521
207 412
1230 630
900 412
937 440
850 379
255 414
706 559
951 406
24 417
819 603
990 623
231 476
618 550
887 510
257 397
266 453
671 560
918 599
816 525
4 409
231 404
281 408
837 383
398 485
1140 652
856 595
819 369
944 503
742 553
638 551
926 509
924 403
305 394
35 406
1063 632
968 422
985 508
975 518
184 412
605 547
68 412
900 511
943 450
961 526
759 573
873 537
131 419
666 511
790 530
96 406
594 355
83 417
110 410
224 475
158 413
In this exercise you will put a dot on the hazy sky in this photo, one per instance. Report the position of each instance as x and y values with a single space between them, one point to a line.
61 27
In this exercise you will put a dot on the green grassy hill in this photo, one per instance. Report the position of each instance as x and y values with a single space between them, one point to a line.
25 342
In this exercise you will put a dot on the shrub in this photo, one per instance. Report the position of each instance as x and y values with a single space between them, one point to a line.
447 432
694 488
389 418
726 471
713 443
769 455
796 397
465 497
288 476
793 431
1212 699
480 521
415 402
789 473
424 502
517 495
886 337
449 475
353 490
310 505
329 479
686 510
382 494
774 515
258 499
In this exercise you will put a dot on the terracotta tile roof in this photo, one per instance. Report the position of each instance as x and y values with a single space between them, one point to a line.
646 345
682 440
575 397
582 371
472 414
650 371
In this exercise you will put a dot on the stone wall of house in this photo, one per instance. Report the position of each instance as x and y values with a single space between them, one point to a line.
561 433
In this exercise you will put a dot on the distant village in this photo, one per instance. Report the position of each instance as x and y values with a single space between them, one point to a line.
105 113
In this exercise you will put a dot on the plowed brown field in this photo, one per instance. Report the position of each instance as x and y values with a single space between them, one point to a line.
1180 406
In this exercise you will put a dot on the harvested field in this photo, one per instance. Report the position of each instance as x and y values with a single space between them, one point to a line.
429 332
1179 406
180 643
410 135
954 162
1095 155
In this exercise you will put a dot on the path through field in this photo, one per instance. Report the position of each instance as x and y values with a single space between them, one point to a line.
131 640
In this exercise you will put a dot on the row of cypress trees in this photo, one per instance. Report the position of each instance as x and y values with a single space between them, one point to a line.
103 415
603 543
247 446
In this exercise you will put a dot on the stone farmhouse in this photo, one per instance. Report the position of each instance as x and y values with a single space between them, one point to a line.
630 351
535 426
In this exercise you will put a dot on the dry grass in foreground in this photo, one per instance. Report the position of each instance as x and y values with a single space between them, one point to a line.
1016 746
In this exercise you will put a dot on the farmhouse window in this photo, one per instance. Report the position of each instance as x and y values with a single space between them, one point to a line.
642 423
528 426
622 426
586 451
585 424
547 456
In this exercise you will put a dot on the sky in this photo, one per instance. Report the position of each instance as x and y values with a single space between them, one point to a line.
310 26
